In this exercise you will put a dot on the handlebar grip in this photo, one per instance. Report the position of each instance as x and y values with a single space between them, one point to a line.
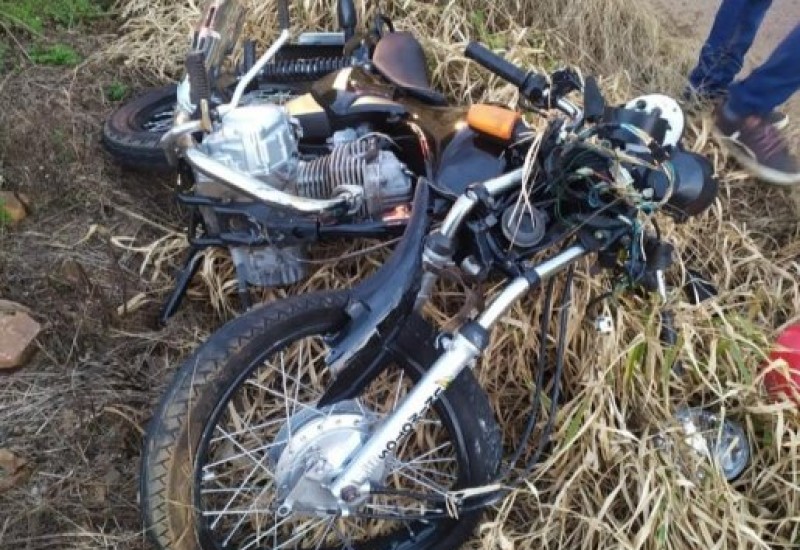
283 14
496 64
198 77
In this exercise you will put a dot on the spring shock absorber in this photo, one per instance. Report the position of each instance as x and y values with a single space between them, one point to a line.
304 69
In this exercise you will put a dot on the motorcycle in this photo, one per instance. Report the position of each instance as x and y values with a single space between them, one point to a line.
266 180
345 419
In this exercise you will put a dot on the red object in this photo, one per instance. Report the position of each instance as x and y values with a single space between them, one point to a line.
787 347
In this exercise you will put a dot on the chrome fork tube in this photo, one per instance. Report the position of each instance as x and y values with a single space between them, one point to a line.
460 353
466 202
460 210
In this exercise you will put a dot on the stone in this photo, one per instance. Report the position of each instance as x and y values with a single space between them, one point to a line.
13 207
13 470
17 334
7 306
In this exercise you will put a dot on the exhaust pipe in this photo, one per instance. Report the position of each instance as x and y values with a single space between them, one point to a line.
263 192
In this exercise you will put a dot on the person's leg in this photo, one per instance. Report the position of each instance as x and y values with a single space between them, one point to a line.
743 124
722 56
771 84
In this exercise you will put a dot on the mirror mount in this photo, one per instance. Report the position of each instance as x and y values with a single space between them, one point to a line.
348 19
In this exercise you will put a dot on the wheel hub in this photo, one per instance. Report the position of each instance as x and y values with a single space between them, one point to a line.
311 449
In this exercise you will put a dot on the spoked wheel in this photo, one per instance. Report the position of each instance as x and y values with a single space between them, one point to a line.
132 133
240 456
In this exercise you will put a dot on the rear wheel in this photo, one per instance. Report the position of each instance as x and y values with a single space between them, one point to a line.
239 455
131 134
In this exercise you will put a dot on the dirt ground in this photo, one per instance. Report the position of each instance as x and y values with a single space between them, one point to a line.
76 413
693 18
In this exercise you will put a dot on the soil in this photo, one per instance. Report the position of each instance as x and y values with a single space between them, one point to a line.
77 412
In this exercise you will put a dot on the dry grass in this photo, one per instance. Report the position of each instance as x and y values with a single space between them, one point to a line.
605 484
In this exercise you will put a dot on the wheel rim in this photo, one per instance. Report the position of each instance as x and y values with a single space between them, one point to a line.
251 456
159 117
159 121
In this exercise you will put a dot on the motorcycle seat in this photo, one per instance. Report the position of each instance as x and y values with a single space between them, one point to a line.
399 57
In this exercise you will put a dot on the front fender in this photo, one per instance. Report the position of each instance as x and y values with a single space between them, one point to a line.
381 301
412 338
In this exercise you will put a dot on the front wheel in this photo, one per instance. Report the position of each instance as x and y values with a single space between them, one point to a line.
239 454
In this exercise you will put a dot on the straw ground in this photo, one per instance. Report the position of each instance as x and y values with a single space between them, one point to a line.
603 483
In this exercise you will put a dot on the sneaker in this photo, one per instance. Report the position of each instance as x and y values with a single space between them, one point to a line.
758 146
699 100
778 119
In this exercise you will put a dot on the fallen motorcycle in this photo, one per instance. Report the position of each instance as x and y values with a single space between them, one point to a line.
344 419
265 180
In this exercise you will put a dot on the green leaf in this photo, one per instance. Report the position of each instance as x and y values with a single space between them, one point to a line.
634 360
58 54
661 535
575 423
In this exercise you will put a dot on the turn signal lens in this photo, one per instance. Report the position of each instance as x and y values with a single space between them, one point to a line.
493 121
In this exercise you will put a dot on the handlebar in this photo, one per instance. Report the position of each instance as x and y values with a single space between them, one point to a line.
533 86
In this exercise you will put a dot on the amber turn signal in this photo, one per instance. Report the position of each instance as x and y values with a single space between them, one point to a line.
493 121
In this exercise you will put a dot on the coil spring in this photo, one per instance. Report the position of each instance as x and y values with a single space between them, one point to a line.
304 69
344 166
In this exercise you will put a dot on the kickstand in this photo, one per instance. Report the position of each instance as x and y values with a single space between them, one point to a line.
185 276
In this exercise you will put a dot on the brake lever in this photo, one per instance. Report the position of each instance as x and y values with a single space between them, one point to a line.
564 81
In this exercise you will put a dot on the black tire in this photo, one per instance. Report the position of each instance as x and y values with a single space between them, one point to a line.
132 132
173 455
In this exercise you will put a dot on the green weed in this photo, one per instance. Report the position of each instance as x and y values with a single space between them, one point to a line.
5 217
59 55
493 41
116 91
32 15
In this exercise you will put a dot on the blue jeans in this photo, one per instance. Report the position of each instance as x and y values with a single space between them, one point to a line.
723 54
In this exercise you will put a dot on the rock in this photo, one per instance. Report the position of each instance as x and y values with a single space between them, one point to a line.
13 470
13 207
17 334
7 306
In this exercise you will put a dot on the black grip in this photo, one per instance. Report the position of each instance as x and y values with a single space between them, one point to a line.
495 63
348 19
283 14
531 85
198 77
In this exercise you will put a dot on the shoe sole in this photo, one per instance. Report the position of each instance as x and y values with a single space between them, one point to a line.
781 124
764 173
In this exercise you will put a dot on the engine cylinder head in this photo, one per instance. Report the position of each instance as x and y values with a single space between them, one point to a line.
360 163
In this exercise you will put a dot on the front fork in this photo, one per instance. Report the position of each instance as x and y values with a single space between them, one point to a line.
467 345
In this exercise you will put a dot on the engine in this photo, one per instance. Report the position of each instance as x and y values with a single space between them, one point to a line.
263 142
